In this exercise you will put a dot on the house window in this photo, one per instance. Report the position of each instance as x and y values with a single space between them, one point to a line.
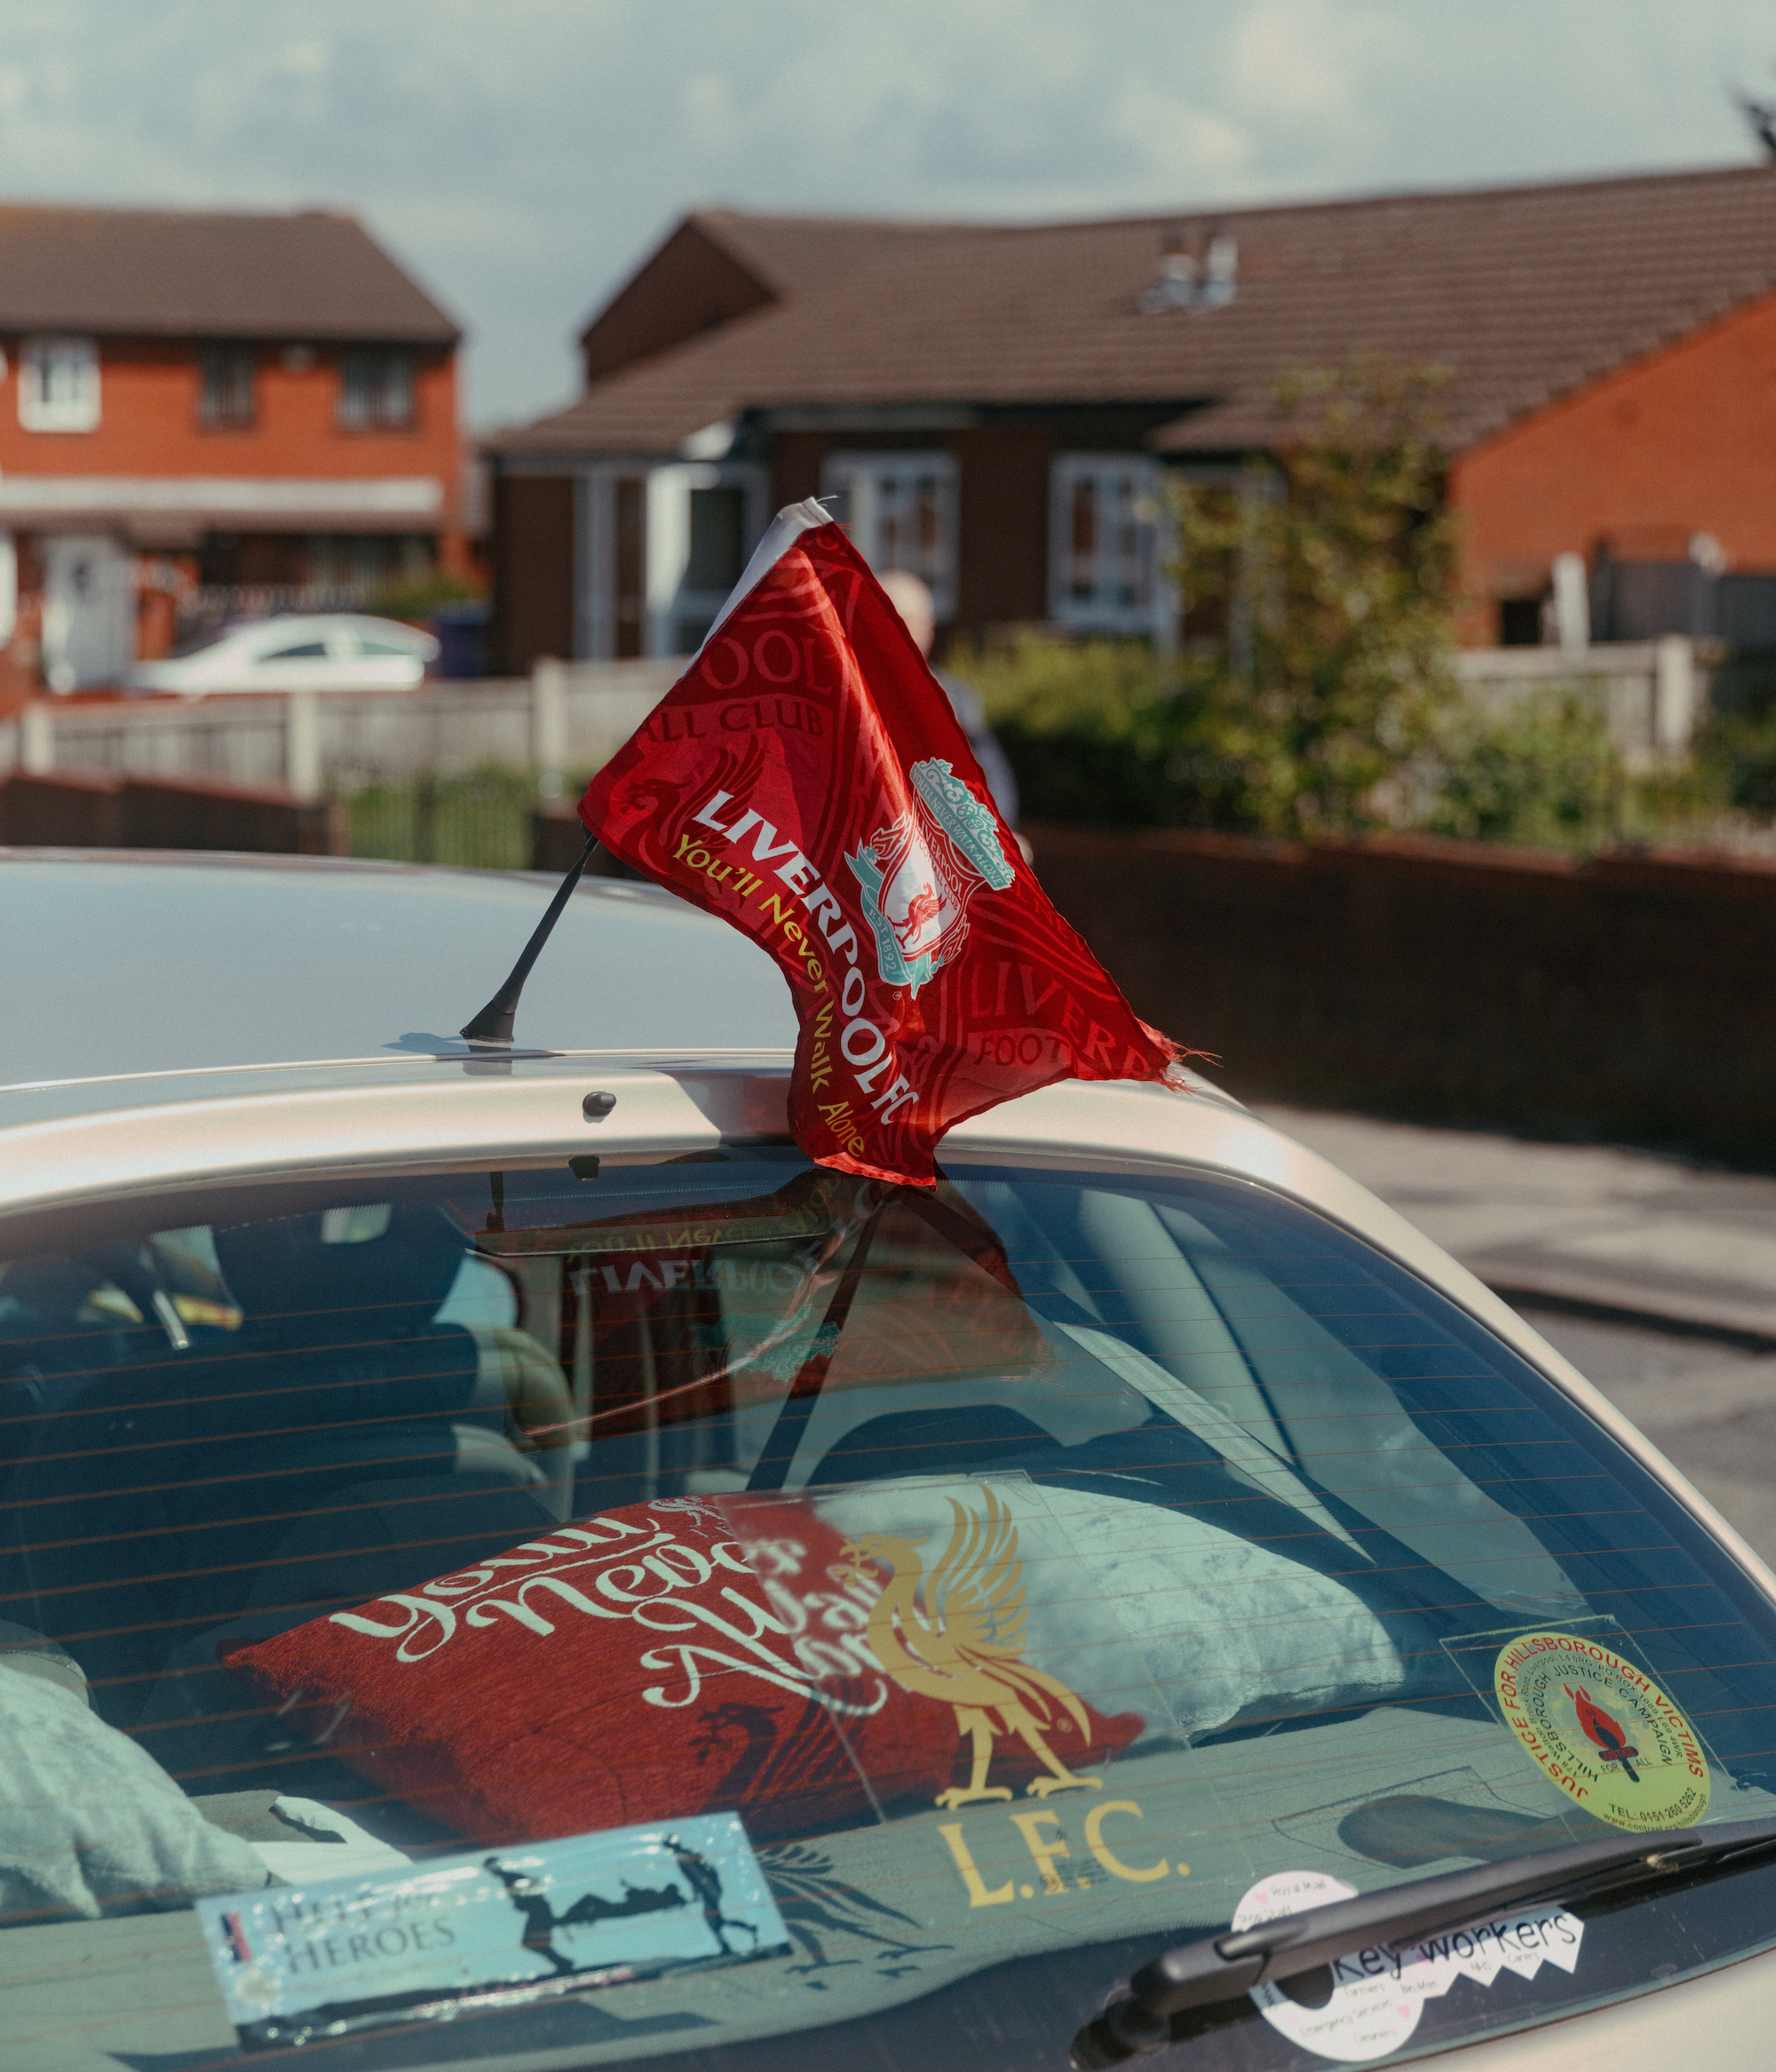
1519 621
226 399
900 510
376 391
1103 525
59 385
660 553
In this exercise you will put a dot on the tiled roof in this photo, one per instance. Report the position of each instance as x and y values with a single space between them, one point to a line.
798 255
165 273
1524 293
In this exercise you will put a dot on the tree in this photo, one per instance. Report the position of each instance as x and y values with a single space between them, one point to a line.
1326 574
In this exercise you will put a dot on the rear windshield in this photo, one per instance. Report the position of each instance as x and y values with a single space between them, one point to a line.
686 1609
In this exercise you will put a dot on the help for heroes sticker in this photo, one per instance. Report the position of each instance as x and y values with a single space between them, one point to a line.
301 1962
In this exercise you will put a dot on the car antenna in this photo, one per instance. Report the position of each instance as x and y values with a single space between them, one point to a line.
494 1023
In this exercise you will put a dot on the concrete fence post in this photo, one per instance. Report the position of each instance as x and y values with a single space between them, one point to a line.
302 743
548 724
1572 603
1674 694
36 739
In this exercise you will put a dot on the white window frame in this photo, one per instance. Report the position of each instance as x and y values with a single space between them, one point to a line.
9 586
666 547
59 385
228 386
595 557
671 600
871 485
1154 609
378 391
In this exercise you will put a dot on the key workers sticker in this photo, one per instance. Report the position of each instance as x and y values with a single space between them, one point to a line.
1602 1731
1378 1995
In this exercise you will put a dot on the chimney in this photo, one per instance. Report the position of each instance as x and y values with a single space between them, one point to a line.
1220 272
1197 270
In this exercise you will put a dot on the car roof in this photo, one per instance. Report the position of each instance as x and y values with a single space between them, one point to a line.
123 964
326 622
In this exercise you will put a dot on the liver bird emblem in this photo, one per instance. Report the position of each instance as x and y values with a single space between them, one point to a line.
1604 1731
958 1636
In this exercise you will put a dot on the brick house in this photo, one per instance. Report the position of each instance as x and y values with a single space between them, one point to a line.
996 406
199 410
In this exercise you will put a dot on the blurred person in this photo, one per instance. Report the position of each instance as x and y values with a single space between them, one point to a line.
912 598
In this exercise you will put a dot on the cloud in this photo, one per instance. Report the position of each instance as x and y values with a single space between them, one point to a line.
522 157
1296 58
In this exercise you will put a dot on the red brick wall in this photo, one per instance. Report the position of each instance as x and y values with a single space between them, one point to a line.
148 401
1627 997
68 811
72 811
1682 441
209 814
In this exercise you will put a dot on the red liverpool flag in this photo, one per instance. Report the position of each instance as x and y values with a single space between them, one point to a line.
806 780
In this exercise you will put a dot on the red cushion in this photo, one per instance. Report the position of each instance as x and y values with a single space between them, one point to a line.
666 1659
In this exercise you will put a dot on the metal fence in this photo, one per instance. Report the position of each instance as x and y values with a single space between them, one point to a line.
216 603
477 818
1639 600
448 773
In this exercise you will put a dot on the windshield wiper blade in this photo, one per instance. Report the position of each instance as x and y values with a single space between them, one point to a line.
1224 1967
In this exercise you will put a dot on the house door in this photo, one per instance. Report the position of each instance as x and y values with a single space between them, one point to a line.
89 612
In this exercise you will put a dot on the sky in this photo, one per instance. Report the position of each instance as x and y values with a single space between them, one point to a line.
522 156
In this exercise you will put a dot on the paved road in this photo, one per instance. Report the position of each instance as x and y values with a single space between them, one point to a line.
1650 1237
1709 1409
1624 1228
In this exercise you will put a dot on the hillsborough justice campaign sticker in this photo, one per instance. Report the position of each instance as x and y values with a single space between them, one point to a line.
1602 1731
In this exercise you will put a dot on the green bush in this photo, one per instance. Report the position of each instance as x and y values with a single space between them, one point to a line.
1325 579
1104 734
1738 750
1088 729
1540 769
417 597
1105 690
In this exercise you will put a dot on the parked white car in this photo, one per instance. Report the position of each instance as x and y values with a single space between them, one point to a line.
502 1562
335 651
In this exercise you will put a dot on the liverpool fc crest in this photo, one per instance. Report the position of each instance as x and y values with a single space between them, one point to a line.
958 1635
918 874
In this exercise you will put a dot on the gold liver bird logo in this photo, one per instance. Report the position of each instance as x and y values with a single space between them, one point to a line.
959 1636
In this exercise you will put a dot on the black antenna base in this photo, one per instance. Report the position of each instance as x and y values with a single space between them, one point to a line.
494 1024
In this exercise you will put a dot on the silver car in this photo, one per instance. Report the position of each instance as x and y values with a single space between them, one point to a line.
503 1560
326 651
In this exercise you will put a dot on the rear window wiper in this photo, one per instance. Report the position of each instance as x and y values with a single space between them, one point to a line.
1224 1967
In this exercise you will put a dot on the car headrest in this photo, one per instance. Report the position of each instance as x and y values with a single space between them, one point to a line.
389 1263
